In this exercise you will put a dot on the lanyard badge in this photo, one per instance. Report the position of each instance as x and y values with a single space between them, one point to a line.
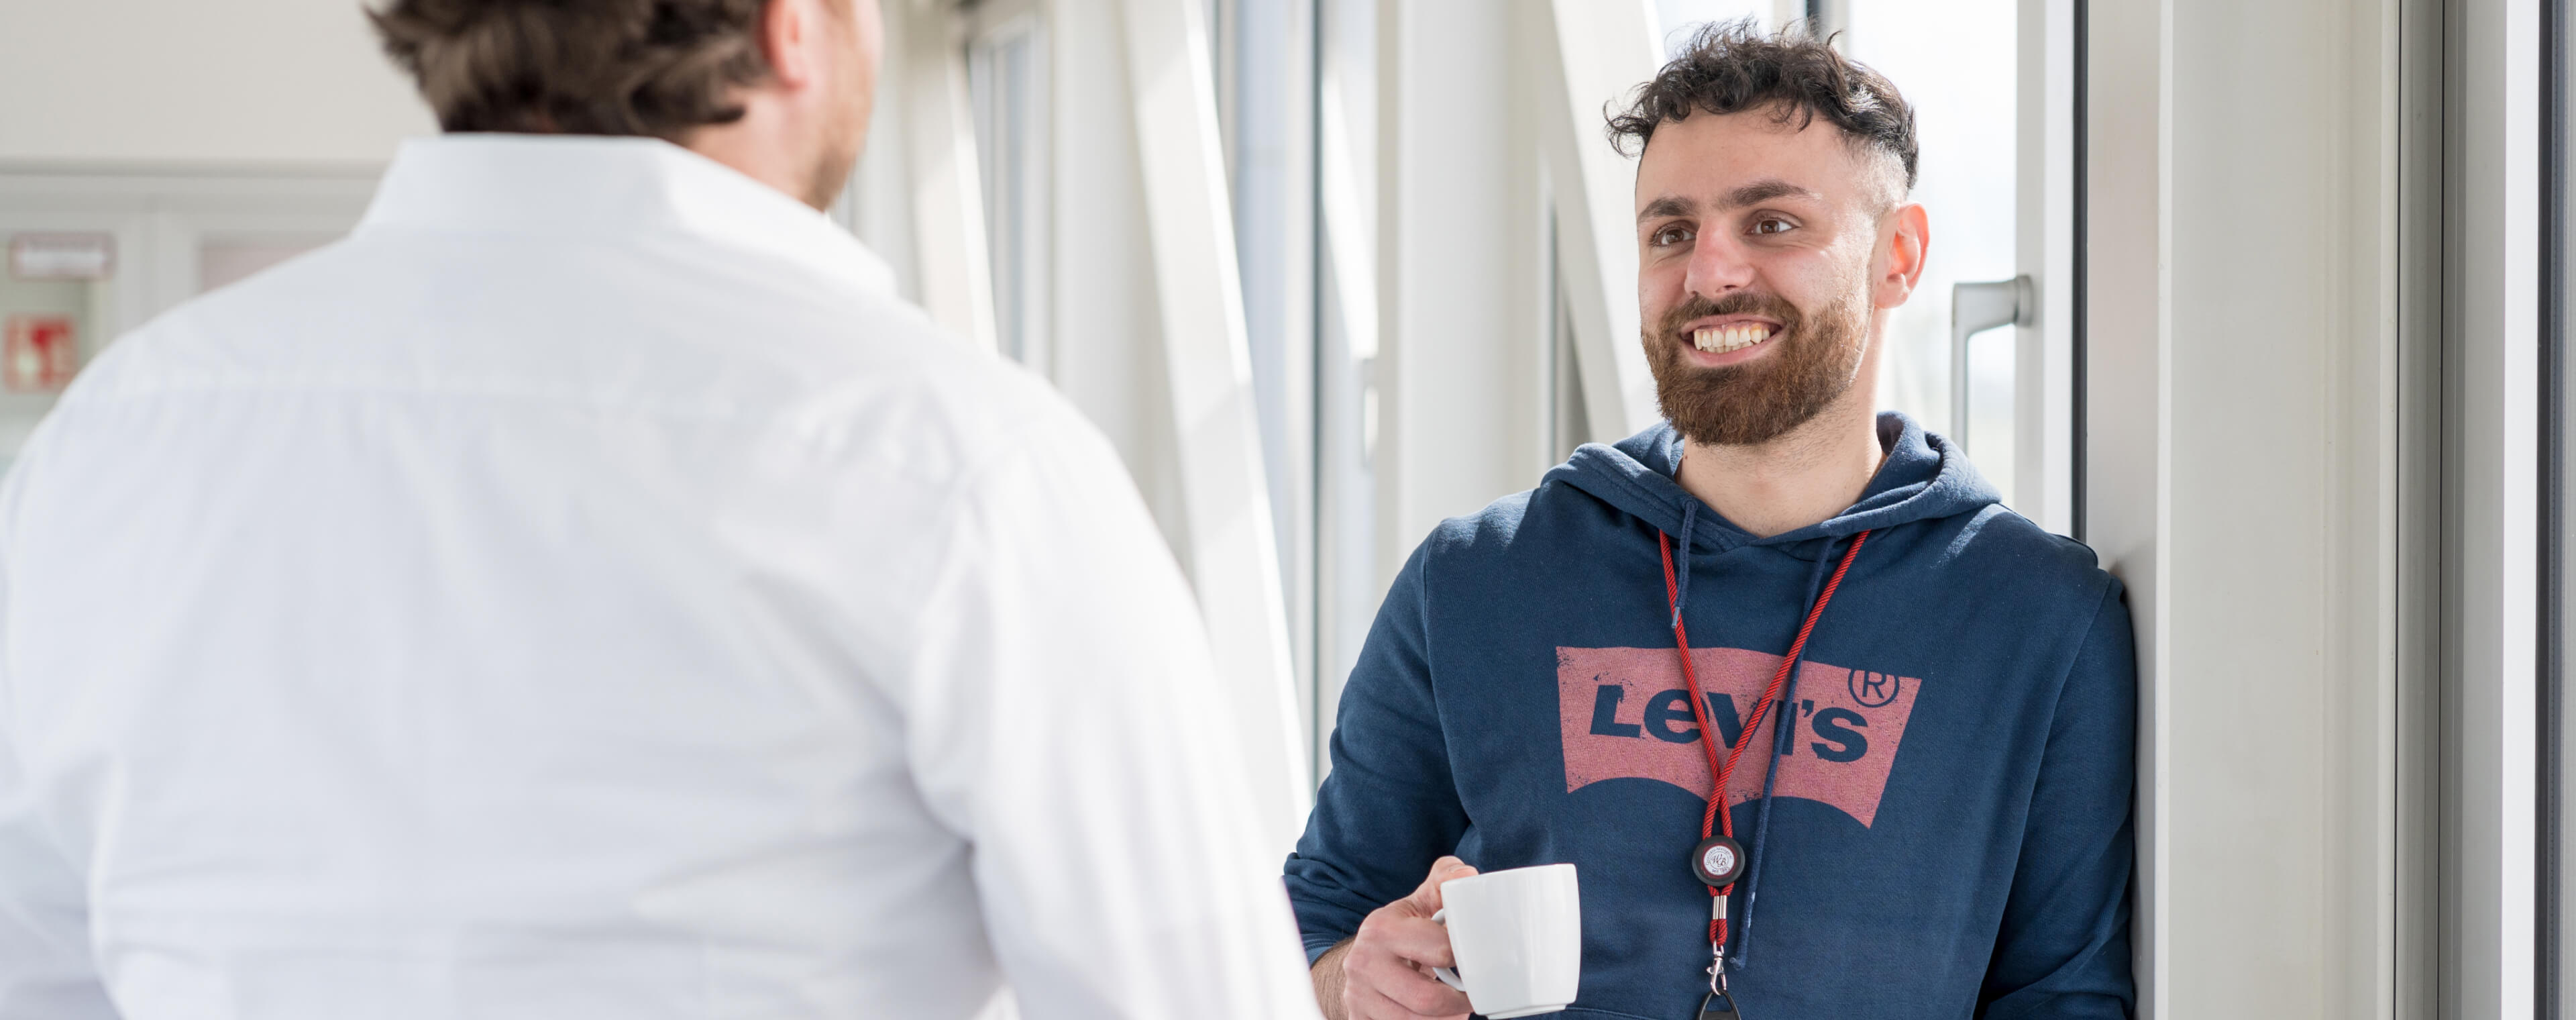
1719 860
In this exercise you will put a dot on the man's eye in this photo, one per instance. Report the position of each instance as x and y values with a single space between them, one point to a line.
1670 236
1772 225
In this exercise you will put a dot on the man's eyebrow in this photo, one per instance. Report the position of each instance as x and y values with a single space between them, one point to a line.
1765 190
1668 205
1755 193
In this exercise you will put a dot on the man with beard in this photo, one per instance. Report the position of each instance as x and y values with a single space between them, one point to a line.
1917 703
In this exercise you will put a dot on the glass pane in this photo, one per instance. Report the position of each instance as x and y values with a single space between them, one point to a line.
1260 61
1263 57
1006 82
1347 584
1957 63
1568 420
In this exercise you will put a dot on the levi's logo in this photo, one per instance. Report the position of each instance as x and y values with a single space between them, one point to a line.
1626 714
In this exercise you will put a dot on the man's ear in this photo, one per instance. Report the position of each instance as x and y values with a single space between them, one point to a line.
1905 237
787 38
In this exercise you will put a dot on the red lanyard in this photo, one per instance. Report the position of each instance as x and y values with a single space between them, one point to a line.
1716 819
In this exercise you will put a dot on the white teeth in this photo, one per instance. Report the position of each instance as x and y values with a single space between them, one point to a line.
1721 339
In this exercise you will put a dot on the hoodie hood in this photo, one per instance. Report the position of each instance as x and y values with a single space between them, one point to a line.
1924 478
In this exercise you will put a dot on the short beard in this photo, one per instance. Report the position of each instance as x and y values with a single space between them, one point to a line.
839 151
1753 404
831 173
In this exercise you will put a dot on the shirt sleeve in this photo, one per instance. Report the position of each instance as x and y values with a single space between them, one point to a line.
2063 951
46 969
1063 711
1389 808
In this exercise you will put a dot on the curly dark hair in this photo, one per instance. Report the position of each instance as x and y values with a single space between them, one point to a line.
1735 65
658 68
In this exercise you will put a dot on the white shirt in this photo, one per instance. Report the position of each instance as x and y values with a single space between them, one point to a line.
589 591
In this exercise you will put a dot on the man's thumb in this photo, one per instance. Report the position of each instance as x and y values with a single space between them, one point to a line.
1427 898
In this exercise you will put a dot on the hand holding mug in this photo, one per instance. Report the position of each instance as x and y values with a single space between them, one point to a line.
1386 973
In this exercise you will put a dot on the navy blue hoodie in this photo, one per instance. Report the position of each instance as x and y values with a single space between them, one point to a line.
1948 834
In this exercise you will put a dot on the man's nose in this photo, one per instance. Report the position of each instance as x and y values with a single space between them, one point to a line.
1718 266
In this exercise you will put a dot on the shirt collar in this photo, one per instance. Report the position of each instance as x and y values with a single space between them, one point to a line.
606 188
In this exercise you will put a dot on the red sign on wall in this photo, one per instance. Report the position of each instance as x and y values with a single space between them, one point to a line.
40 355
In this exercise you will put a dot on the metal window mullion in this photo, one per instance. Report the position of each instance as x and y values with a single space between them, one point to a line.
2550 681
2492 629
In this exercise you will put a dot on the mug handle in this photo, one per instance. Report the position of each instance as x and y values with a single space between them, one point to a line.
1447 975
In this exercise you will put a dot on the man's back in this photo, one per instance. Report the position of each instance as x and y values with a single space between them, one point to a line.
588 590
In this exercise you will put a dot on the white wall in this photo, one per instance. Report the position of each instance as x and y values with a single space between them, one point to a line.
1459 253
2242 455
1108 334
197 82
2260 318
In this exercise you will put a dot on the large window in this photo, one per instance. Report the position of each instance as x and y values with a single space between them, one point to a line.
1560 389
1262 58
1006 79
1346 345
1295 104
1955 62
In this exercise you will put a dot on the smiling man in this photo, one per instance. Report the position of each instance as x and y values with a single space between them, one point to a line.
1918 704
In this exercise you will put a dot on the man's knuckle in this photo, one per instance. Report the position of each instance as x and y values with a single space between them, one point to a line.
1429 1000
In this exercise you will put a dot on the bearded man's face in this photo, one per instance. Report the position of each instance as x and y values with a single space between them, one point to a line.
1754 398
1762 260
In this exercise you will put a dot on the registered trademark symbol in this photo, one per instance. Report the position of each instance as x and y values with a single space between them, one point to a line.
1873 690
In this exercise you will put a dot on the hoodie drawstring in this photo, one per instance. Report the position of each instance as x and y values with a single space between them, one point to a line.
1681 591
1715 819
1782 736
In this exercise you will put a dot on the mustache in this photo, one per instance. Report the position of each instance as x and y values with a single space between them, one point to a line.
1695 306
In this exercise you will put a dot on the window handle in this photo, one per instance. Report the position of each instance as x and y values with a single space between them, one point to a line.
1976 308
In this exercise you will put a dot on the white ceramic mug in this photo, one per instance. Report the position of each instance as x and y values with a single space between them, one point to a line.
1517 935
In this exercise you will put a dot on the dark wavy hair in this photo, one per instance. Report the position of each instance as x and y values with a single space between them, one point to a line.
1732 66
657 68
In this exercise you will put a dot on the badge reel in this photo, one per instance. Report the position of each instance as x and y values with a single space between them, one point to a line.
1717 861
